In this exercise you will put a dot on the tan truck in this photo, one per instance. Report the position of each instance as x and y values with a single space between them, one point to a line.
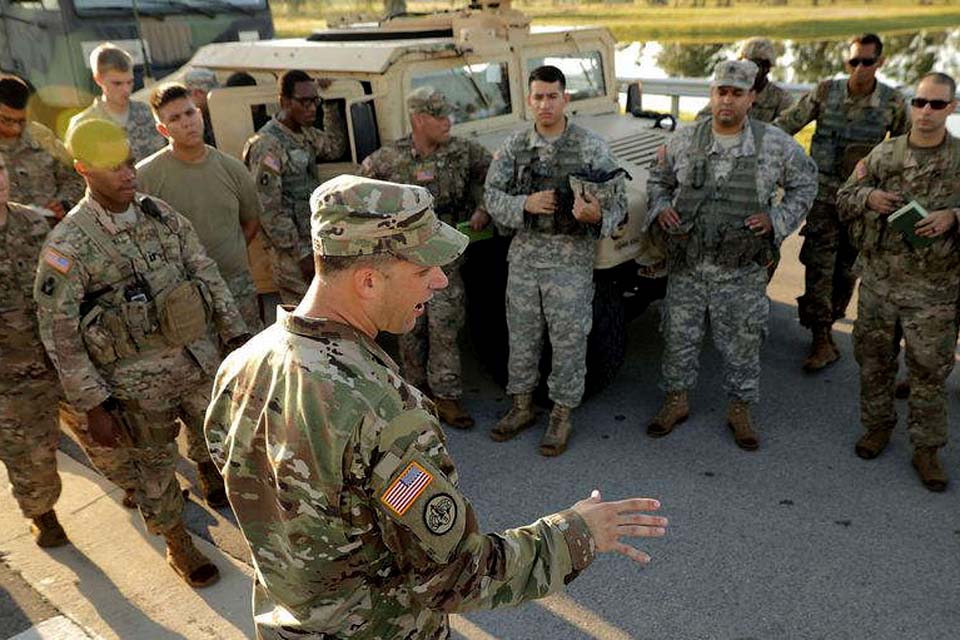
480 59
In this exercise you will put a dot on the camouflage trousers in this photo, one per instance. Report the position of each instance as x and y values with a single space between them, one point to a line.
827 256
930 334
148 465
430 352
287 277
28 441
562 298
245 295
736 305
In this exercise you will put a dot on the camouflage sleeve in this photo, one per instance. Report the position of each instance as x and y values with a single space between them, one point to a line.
479 162
376 165
266 163
799 182
505 209
786 102
899 118
801 114
59 291
865 177
433 530
70 185
332 141
662 181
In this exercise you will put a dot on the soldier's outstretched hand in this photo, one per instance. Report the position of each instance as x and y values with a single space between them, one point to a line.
610 521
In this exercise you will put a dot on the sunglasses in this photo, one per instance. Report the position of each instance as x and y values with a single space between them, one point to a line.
936 105
867 62
307 101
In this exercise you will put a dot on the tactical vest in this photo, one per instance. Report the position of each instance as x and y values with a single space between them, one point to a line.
839 142
713 213
532 174
299 181
139 312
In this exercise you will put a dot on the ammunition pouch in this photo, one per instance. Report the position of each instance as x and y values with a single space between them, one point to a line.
105 336
184 312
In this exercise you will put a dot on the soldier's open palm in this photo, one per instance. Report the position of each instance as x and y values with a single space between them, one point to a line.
610 521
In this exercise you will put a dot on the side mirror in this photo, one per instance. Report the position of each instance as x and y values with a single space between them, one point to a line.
634 97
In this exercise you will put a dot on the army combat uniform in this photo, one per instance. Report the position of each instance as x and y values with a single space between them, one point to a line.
124 302
905 289
138 124
338 472
284 166
847 128
40 169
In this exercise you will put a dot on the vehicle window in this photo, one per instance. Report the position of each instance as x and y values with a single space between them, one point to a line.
477 91
171 6
584 72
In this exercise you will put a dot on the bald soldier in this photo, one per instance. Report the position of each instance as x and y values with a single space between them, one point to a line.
126 303
336 467
771 100
453 169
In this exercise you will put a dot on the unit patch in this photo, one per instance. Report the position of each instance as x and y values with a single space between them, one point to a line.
440 514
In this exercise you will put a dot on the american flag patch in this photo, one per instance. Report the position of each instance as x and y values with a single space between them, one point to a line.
407 488
424 175
57 261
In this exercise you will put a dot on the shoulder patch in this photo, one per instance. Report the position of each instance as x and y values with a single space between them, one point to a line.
271 162
861 169
403 492
57 261
440 514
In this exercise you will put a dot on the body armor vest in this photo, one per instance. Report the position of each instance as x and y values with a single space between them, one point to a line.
713 212
839 141
299 181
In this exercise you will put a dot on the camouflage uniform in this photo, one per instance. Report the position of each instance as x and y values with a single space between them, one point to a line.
847 127
723 277
551 274
770 103
338 471
284 165
28 386
905 290
40 168
103 329
140 127
454 174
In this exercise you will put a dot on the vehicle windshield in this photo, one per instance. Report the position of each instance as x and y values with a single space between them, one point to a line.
170 6
583 71
477 91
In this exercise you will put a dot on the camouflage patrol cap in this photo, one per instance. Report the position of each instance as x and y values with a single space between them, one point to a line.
430 101
356 216
758 49
735 73
200 78
101 144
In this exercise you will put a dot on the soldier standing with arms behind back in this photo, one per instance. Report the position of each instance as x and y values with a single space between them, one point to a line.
453 170
907 289
551 258
125 296
358 529
853 115
283 157
714 192
29 390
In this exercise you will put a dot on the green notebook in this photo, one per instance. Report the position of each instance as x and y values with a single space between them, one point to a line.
904 220
464 228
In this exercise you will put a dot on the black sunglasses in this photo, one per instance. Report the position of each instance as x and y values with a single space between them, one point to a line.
307 101
936 105
867 62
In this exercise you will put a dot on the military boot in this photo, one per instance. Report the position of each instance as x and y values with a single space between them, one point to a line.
452 413
191 565
47 531
738 419
872 443
675 410
927 464
554 440
822 350
520 416
211 485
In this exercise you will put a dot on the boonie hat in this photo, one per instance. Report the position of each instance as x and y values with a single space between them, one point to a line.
430 101
98 143
356 216
758 49
734 73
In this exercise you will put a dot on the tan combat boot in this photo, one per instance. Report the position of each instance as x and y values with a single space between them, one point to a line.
520 416
554 440
927 464
872 443
452 413
211 485
191 565
822 350
675 410
47 531
738 419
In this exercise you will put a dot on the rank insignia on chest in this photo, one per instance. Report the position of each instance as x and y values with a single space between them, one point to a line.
425 175
405 490
57 261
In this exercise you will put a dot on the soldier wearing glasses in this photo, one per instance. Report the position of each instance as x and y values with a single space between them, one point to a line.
283 157
853 115
908 288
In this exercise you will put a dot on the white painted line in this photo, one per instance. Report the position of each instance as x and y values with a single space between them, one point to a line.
567 609
57 628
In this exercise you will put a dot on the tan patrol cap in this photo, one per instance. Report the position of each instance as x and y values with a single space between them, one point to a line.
734 73
356 216
430 101
101 144
758 49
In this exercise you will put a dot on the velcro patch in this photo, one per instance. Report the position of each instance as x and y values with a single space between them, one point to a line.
270 162
57 261
405 490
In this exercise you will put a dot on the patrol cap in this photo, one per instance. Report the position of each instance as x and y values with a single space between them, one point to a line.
430 101
758 49
356 216
200 78
735 73
101 144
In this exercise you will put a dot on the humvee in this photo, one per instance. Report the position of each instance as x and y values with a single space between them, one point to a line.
479 58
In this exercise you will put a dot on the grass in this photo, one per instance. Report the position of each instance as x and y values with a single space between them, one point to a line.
641 22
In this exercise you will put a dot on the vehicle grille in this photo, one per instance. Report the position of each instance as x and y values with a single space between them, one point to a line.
639 148
170 42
